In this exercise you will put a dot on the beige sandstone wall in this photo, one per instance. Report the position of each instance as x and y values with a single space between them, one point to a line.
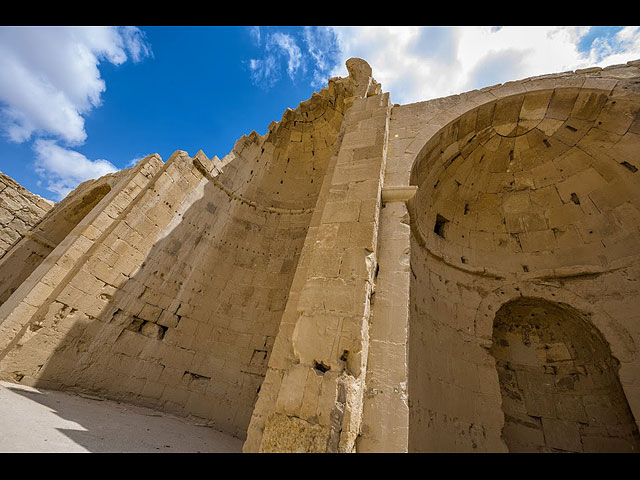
452 275
20 210
527 189
311 400
177 303
37 243
59 293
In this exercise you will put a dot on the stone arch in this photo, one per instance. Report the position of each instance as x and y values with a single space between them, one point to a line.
620 341
436 115
528 188
538 173
558 381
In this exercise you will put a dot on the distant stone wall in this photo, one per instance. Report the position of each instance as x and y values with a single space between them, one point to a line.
29 251
20 210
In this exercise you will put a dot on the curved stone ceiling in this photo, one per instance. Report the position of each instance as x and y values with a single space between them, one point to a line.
539 183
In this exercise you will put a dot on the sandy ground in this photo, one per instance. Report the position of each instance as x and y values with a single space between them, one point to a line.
35 420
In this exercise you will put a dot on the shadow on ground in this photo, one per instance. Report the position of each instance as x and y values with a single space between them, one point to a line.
35 420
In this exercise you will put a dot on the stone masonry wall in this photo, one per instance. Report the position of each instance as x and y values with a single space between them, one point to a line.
178 303
25 255
455 398
527 189
59 295
456 275
311 399
20 210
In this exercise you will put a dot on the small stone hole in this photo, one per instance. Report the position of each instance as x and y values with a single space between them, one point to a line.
629 166
438 228
320 367
575 199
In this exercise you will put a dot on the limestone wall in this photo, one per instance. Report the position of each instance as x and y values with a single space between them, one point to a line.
312 396
454 385
26 254
527 189
559 382
456 275
20 210
72 285
177 303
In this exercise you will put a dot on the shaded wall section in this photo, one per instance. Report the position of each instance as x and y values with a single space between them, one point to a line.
20 210
559 382
177 303
26 312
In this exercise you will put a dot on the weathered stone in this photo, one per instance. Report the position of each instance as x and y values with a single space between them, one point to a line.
452 275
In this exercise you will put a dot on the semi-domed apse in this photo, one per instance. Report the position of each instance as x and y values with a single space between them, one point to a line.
534 183
524 234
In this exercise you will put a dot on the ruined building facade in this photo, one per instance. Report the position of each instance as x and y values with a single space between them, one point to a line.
460 274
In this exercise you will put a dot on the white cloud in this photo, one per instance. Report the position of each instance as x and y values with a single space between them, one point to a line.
403 68
65 169
255 34
287 45
49 79
323 49
265 71
312 50
134 161
626 42
418 63
49 76
134 42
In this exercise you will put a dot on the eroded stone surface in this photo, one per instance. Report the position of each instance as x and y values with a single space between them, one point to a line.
342 283
20 210
559 383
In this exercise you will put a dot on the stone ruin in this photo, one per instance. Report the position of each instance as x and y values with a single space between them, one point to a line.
455 275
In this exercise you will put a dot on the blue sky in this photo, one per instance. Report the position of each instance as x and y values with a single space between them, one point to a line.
76 103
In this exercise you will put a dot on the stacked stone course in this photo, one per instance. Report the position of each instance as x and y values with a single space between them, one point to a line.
447 275
20 210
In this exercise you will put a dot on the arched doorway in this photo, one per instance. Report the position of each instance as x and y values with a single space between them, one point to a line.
559 382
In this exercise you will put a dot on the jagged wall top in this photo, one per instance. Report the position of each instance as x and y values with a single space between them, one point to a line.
361 75
359 83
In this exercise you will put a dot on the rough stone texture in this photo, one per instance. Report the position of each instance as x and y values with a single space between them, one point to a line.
362 278
511 203
560 391
20 211
45 235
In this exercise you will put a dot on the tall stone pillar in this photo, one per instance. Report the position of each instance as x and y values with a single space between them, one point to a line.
385 420
312 397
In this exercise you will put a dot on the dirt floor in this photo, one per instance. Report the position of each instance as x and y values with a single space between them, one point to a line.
34 420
